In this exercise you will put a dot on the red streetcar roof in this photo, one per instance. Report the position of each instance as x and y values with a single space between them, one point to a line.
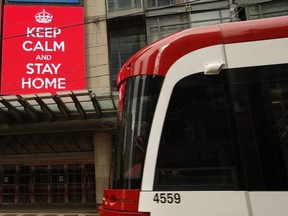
158 57
253 30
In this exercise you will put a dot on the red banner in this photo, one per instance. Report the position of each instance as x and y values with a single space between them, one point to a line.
43 49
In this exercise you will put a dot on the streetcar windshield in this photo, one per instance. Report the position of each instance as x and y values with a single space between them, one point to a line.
138 98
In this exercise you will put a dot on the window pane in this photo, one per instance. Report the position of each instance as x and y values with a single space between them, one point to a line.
284 13
124 42
197 152
111 5
58 180
124 4
114 5
273 7
267 9
75 183
166 30
9 186
162 26
163 3
225 14
151 3
139 100
41 183
260 103
209 18
197 24
205 16
137 3
227 132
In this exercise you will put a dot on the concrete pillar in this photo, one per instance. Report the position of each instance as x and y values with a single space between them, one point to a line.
96 39
102 158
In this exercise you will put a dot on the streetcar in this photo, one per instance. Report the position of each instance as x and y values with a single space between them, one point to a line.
203 124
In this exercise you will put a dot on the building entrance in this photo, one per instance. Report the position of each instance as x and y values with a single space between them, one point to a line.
63 183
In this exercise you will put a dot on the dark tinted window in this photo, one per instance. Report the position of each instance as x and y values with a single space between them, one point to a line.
139 101
227 132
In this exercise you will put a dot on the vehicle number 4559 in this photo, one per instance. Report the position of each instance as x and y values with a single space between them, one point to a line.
167 198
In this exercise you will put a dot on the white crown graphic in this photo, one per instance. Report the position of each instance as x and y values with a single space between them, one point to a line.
43 17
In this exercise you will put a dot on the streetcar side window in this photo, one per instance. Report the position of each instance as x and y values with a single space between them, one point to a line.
226 132
195 150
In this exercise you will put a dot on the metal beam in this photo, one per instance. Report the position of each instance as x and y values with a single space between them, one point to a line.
95 125
31 111
4 116
78 106
96 104
48 112
113 101
15 113
62 107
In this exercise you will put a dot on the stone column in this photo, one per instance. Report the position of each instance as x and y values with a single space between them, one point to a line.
96 39
102 158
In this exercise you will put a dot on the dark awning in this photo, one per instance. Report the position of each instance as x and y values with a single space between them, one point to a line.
66 121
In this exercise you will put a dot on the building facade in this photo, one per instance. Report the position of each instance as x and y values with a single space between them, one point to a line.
56 146
58 112
134 23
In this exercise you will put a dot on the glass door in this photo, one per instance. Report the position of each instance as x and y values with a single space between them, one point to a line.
58 180
74 183
41 184
25 187
47 183
89 183
9 184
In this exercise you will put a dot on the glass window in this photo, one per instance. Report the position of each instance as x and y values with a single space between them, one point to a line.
196 150
25 187
9 184
205 15
75 183
89 183
111 5
158 27
163 3
260 112
227 132
48 184
124 4
41 181
267 9
139 101
58 180
114 5
209 17
124 41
